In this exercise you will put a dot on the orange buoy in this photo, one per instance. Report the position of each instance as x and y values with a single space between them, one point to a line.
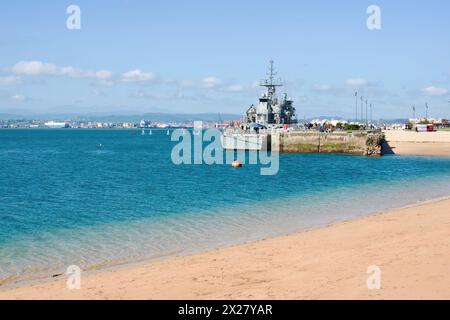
236 164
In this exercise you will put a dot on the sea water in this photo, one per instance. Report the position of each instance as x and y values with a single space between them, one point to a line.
65 201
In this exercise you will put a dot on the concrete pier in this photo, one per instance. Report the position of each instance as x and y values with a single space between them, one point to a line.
358 143
361 143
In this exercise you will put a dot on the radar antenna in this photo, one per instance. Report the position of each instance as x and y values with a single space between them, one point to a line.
270 83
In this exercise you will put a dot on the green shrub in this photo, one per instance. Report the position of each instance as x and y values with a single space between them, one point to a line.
351 127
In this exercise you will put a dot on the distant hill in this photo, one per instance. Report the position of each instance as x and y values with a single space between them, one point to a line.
387 121
7 116
391 121
154 117
169 117
323 118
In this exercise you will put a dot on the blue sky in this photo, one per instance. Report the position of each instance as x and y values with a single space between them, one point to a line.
206 56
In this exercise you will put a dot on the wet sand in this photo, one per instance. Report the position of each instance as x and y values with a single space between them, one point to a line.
411 246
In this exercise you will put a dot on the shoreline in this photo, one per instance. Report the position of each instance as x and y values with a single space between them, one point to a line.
54 288
46 277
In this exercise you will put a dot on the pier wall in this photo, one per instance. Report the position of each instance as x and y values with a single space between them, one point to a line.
361 143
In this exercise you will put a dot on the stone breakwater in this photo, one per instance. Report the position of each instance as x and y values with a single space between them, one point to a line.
359 143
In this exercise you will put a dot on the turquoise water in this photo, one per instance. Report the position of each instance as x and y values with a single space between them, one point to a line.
64 201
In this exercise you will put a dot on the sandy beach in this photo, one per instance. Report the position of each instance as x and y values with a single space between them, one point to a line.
411 246
418 143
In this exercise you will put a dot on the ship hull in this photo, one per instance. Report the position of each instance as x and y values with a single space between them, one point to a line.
247 142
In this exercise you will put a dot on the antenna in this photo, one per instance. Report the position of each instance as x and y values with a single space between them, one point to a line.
272 72
270 82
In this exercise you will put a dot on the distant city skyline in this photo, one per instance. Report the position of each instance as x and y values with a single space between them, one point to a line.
135 57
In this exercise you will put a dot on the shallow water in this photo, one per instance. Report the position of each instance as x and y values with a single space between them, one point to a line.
63 201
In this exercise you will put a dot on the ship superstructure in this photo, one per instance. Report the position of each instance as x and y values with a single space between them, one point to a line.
270 110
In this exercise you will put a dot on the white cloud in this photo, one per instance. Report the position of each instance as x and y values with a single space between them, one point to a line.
10 80
103 74
18 97
211 82
35 68
137 75
107 78
434 91
357 82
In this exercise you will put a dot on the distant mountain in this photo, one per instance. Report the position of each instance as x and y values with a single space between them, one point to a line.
169 117
7 116
387 121
154 117
390 121
324 118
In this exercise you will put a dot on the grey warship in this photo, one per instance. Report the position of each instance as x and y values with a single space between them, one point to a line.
270 114
271 111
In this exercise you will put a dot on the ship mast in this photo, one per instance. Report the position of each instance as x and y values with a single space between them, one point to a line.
271 84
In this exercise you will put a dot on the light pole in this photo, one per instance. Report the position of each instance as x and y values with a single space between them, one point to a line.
367 117
371 119
426 107
414 112
356 104
362 108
